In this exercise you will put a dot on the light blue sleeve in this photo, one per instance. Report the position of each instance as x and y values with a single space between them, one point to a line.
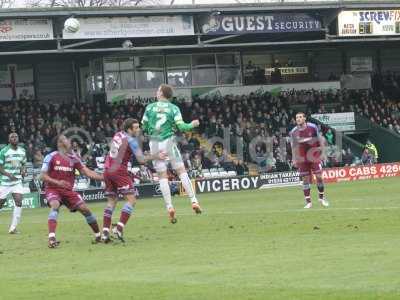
46 162
133 144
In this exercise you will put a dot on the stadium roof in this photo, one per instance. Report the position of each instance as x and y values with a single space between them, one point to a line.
195 9
327 10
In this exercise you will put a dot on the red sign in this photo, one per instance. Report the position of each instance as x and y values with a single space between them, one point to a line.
361 172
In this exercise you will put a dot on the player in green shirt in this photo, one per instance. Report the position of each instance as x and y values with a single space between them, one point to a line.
160 121
12 170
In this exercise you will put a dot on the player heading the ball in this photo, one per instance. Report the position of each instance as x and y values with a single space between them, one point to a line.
160 121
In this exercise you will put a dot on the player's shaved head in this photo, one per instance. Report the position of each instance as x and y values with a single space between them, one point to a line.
13 138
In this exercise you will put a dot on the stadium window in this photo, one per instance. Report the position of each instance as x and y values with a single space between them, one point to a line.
119 73
112 81
149 71
291 59
204 71
126 64
178 70
254 65
111 64
127 73
228 68
127 80
95 78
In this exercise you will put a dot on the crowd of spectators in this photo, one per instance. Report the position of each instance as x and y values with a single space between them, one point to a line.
240 119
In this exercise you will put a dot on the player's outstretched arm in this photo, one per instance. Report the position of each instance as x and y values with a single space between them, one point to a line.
91 174
144 158
182 126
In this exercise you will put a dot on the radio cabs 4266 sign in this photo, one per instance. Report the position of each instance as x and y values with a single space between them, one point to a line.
369 22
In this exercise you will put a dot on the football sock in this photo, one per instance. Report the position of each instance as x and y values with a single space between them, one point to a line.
320 186
166 192
16 216
126 212
187 185
107 217
306 191
91 220
52 222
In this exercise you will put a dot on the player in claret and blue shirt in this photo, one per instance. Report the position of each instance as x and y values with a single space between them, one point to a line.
124 145
307 151
58 174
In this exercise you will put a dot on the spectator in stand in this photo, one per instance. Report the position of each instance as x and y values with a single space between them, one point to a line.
145 174
347 157
329 136
239 168
332 77
194 142
38 159
367 158
196 166
372 150
30 151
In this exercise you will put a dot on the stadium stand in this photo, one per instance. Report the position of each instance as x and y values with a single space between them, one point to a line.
242 117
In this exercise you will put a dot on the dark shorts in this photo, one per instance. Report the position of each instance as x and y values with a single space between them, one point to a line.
70 199
118 184
308 168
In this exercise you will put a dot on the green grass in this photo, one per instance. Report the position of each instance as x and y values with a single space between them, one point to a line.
246 245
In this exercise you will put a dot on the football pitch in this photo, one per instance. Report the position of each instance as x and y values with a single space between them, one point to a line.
246 245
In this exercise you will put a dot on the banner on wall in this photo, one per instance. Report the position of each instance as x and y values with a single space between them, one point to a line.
97 194
125 27
16 82
261 89
361 64
29 200
26 29
258 23
241 183
356 81
377 171
292 178
338 121
369 22
145 96
288 71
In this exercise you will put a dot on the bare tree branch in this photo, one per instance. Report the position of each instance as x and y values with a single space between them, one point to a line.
89 3
7 3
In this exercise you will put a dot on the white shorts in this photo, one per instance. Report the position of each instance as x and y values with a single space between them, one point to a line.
169 147
11 189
